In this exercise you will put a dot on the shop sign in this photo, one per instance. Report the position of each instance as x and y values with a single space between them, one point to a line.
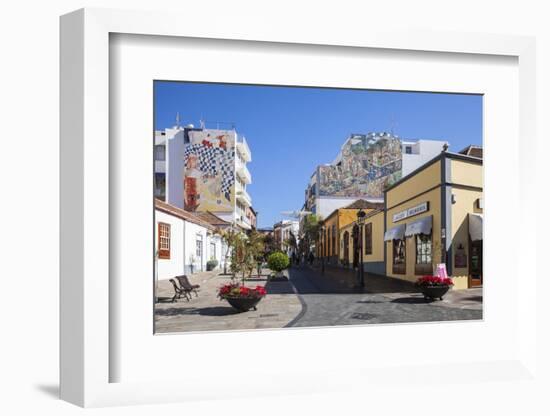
418 209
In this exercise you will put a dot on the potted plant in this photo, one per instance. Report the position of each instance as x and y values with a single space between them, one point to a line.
211 264
433 287
278 262
241 297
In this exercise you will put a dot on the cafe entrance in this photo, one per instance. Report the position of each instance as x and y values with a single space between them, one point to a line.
475 273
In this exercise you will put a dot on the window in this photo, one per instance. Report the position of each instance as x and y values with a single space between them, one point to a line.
333 243
368 238
423 254
160 185
163 240
408 150
399 256
160 152
212 250
199 249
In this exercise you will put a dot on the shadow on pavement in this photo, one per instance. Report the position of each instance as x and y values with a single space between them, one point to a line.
338 280
412 301
278 288
208 311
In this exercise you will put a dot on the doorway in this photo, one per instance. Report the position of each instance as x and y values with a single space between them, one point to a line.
476 264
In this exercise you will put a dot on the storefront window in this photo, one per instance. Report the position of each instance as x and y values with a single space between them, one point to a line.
368 238
399 256
423 254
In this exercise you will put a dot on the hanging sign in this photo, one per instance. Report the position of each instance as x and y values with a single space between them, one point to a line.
417 209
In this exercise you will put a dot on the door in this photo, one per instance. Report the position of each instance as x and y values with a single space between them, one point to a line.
476 264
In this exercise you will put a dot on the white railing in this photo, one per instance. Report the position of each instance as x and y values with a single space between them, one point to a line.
242 147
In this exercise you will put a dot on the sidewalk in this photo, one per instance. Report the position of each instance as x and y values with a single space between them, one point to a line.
208 313
338 279
341 280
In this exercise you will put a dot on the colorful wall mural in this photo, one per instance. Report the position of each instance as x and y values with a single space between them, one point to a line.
209 175
366 165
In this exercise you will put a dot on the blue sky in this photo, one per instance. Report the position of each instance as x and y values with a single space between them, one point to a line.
292 130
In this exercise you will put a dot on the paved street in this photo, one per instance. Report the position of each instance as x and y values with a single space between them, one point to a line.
311 298
206 312
334 299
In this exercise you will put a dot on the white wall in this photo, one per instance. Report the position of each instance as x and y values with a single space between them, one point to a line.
168 268
423 151
183 247
174 167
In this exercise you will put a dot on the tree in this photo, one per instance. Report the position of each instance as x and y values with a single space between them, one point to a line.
310 230
229 236
247 250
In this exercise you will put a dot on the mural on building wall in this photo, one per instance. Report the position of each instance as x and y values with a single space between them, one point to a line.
367 164
209 177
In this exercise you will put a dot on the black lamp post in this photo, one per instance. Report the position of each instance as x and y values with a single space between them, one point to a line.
361 221
322 239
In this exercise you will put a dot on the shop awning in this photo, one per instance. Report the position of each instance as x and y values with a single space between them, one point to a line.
395 233
475 222
421 226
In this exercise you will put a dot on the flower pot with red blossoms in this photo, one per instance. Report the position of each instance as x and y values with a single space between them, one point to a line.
434 287
242 298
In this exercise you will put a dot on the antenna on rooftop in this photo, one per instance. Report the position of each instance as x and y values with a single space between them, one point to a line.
178 119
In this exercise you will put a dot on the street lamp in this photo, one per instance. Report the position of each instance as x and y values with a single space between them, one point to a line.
361 221
322 241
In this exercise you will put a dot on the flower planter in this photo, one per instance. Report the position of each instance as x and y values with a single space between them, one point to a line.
244 304
434 292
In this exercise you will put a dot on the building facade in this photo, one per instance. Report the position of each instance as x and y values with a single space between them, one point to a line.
284 232
372 235
184 243
200 170
364 167
435 215
330 247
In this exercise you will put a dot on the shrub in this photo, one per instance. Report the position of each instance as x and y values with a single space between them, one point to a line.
211 264
278 261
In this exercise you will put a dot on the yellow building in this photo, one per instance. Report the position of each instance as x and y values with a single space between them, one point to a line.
435 215
329 245
373 243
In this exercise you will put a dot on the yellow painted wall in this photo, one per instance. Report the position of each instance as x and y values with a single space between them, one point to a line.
349 229
434 199
377 221
466 173
377 255
423 180
465 202
331 221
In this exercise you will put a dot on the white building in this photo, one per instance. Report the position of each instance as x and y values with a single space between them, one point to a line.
284 231
184 243
365 164
204 170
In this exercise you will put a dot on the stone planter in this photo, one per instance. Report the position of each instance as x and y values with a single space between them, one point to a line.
243 304
434 292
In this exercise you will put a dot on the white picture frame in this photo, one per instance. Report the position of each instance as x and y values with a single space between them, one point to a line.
86 291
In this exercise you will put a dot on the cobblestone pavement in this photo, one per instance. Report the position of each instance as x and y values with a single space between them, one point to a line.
333 298
208 313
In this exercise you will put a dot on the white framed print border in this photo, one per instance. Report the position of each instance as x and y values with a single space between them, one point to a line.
85 219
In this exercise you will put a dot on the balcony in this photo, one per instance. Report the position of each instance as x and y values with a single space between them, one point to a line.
243 196
243 172
243 149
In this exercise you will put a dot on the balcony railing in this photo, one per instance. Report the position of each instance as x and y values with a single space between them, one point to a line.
243 196
243 172
243 149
